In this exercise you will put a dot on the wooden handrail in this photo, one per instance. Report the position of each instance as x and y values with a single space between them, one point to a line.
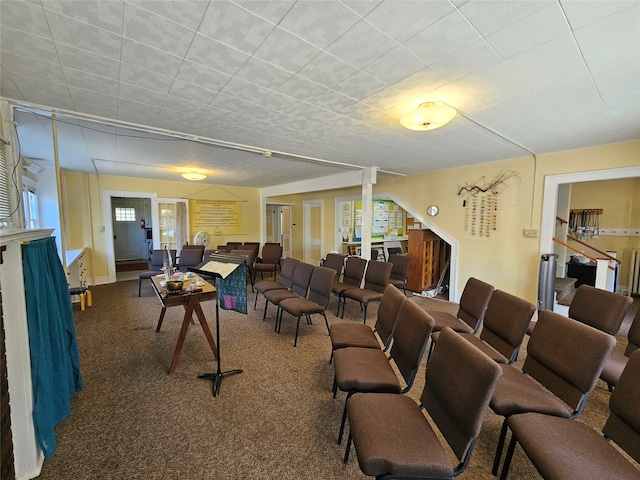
561 220
594 249
580 252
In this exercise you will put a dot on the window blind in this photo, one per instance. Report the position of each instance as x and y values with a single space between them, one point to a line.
5 207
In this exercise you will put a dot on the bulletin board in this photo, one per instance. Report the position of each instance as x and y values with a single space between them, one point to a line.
388 219
218 217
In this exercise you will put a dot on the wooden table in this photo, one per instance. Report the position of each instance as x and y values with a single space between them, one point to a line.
191 303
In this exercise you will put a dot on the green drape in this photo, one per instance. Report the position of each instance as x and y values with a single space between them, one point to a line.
55 361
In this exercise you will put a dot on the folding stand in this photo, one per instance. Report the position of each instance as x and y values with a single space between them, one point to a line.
206 269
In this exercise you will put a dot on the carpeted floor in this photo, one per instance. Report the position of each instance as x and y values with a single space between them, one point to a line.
277 419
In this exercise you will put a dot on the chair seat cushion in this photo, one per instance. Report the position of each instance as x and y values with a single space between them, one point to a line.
446 319
150 273
362 295
352 335
276 296
298 306
364 370
266 286
613 367
339 287
566 449
392 436
479 344
518 393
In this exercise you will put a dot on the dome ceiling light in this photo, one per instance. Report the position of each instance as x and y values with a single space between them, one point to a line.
428 116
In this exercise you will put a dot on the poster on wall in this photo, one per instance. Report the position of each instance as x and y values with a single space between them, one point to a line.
218 217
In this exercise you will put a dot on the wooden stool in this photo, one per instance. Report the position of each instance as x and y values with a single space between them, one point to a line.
85 295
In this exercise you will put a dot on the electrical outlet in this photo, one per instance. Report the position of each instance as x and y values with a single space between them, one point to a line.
530 233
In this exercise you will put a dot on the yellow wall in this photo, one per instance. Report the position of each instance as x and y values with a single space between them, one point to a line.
85 215
620 201
506 259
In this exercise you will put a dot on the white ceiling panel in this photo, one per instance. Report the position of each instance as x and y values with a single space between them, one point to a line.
321 79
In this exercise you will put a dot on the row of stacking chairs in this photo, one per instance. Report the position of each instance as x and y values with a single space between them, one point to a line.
189 256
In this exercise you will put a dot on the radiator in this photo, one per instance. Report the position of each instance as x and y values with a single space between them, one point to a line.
634 273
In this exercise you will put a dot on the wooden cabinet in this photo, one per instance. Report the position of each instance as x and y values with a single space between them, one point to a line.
429 255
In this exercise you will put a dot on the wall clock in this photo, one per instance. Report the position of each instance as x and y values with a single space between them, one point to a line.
433 210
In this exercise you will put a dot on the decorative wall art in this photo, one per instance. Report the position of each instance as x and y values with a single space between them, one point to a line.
481 203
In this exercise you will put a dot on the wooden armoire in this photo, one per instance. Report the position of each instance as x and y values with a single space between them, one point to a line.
429 255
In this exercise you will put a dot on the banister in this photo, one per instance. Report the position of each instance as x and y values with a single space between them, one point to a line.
594 248
565 244
561 220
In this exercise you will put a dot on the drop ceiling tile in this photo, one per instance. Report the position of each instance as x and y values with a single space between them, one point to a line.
91 108
192 92
200 75
169 118
579 16
77 34
258 112
326 70
209 53
143 95
394 66
533 30
149 58
104 15
446 36
298 87
24 16
287 51
262 73
27 45
33 68
218 116
495 85
362 44
88 81
8 88
272 11
247 91
402 20
178 104
361 111
156 31
280 102
144 78
319 22
140 117
93 98
490 16
235 26
185 12
464 62
332 100
359 86
231 103
43 92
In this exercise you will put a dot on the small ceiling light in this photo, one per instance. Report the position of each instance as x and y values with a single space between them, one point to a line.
428 116
266 154
194 176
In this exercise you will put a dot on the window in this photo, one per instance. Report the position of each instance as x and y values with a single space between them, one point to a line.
5 207
125 214
30 201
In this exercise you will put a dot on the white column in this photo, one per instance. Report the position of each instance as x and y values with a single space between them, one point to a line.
369 178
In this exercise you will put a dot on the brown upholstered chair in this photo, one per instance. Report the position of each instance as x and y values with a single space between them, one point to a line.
255 246
369 370
353 272
473 306
157 261
375 281
564 361
399 271
560 448
392 437
505 324
299 287
269 262
616 361
315 303
286 279
347 334
336 262
190 256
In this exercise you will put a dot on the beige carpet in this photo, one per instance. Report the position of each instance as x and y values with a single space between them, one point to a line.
275 420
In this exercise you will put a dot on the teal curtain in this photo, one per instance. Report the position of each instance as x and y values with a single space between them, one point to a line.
55 362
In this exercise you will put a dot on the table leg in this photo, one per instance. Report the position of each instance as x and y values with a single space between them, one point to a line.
205 328
164 310
183 333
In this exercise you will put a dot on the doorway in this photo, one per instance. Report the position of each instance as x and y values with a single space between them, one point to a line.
278 226
129 229
312 238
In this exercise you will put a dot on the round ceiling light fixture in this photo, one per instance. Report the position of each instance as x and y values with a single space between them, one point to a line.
194 176
428 116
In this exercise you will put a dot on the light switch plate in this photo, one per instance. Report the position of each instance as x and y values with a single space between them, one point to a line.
530 233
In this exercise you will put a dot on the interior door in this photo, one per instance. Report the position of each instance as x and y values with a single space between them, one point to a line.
285 229
312 231
129 240
166 225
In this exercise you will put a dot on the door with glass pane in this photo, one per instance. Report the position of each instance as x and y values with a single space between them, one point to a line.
170 225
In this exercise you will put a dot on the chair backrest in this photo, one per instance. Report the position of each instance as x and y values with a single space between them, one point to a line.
566 357
474 302
390 303
505 323
271 254
190 256
599 308
460 380
301 278
634 335
392 250
249 254
623 424
286 274
336 262
233 246
207 253
354 271
410 336
377 276
254 245
320 285
157 258
399 266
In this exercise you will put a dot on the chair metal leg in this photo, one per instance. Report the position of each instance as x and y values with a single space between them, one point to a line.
344 420
365 313
326 322
348 449
295 342
335 386
499 447
139 286
255 302
507 458
331 356
266 304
